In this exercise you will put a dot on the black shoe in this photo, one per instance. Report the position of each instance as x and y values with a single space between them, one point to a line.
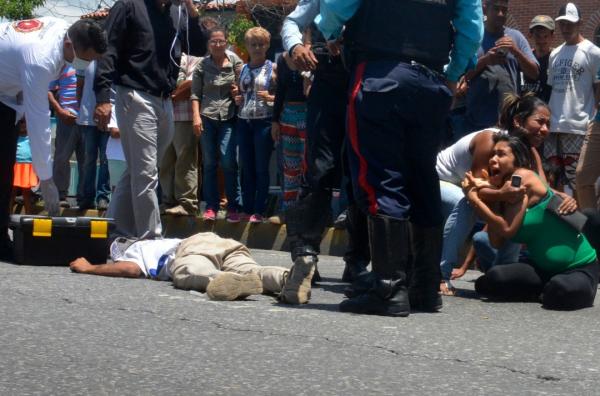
352 270
425 275
361 285
431 302
387 294
387 298
64 203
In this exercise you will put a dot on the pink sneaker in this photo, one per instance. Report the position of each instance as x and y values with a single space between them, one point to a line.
256 218
209 215
233 216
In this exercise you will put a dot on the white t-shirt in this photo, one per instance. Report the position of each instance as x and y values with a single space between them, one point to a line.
572 71
88 97
152 256
31 56
454 161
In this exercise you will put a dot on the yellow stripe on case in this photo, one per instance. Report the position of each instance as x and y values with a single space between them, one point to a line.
42 228
99 229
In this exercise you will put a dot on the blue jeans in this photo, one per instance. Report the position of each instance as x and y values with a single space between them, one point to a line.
460 219
95 189
256 145
488 256
218 143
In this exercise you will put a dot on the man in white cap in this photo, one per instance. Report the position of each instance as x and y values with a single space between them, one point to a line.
573 75
32 54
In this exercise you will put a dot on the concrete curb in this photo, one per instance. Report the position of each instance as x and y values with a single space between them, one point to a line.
256 236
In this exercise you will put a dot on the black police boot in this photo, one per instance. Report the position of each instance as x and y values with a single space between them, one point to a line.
425 277
389 239
357 255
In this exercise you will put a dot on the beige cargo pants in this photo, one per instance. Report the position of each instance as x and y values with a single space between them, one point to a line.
203 256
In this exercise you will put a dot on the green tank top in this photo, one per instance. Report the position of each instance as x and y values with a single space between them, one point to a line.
553 245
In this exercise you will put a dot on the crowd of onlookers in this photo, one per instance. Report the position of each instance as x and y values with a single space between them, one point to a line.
230 115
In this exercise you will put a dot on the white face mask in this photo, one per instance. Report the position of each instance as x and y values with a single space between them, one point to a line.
77 63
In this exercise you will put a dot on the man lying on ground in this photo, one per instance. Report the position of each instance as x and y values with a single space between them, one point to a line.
205 262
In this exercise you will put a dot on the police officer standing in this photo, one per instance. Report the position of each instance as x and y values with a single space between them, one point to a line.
400 94
325 124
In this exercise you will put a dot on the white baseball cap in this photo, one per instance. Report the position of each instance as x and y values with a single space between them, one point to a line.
569 12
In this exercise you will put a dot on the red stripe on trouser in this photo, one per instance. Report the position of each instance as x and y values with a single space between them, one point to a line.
353 136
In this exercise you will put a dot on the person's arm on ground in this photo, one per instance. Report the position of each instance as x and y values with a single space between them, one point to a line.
119 269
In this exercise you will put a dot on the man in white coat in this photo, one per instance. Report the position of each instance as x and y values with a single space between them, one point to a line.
32 53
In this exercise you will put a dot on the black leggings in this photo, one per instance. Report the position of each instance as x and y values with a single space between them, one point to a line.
571 289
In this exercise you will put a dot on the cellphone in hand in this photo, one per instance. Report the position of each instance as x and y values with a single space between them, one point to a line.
515 181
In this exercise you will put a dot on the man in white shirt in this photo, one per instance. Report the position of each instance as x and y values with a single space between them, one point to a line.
205 262
32 54
572 73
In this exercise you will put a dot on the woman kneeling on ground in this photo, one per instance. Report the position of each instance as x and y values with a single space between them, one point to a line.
524 116
564 270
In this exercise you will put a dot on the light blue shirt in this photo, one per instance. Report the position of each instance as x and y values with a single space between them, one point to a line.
467 21
293 25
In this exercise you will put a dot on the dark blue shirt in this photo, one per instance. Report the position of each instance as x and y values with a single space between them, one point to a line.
487 90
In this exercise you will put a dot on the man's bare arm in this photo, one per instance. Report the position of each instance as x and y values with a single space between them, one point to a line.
119 269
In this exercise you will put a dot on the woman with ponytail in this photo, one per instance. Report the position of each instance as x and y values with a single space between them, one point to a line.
525 117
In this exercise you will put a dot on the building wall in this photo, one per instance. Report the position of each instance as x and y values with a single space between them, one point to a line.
522 11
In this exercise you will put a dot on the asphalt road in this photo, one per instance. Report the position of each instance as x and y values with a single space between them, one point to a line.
64 333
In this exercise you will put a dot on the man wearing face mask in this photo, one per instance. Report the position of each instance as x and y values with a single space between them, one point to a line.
32 54
141 62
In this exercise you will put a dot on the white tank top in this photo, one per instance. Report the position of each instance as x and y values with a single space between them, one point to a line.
454 161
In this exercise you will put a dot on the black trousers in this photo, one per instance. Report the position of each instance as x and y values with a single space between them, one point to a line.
8 154
326 133
571 289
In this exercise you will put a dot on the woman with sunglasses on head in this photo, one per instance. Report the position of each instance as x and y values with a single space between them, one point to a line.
256 96
563 273
214 121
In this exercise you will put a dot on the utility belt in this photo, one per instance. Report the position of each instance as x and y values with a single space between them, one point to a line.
355 57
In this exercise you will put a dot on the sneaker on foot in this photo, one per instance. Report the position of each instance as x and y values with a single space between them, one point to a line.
229 286
297 287
233 216
209 215
256 218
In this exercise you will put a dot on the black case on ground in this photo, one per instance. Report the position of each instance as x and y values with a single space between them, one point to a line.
41 240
